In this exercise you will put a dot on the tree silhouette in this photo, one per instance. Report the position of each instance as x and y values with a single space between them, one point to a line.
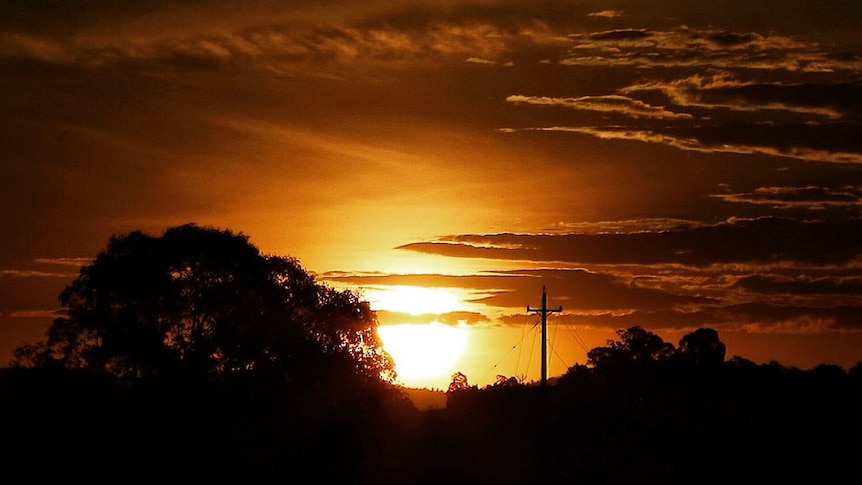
506 381
459 382
205 302
635 346
702 347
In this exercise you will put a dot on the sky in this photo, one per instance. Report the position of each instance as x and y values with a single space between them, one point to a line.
665 164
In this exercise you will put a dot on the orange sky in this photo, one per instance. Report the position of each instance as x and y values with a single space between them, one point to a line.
670 165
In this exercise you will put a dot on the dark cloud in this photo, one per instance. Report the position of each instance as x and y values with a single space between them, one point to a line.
844 98
576 290
765 240
702 48
753 318
767 317
809 197
802 285
620 35
818 100
732 38
800 141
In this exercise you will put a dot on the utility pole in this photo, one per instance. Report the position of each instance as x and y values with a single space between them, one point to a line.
544 311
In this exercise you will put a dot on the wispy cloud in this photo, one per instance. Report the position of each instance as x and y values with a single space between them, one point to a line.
386 317
610 14
76 262
722 90
694 144
762 240
40 314
704 48
802 284
728 297
290 48
22 273
808 197
64 269
606 104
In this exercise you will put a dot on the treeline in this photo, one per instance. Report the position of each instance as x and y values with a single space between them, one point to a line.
644 411
668 420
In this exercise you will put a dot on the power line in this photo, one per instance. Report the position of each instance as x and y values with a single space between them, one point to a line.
517 345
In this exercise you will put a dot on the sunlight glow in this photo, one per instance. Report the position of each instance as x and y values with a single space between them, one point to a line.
425 354
415 300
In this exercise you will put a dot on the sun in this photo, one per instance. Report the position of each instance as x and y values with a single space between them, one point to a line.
425 355
415 300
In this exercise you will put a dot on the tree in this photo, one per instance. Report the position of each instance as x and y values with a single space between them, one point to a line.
702 347
205 302
507 381
636 346
459 383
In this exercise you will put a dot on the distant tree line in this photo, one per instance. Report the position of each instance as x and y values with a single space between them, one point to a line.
644 411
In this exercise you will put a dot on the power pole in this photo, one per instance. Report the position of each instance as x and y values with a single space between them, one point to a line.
544 311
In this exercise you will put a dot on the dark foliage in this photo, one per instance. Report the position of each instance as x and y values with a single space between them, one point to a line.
644 412
205 303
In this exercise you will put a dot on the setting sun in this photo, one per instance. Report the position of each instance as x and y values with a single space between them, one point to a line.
415 300
425 355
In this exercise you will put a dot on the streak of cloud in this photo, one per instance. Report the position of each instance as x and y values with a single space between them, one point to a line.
610 14
763 240
808 197
605 104
724 91
694 144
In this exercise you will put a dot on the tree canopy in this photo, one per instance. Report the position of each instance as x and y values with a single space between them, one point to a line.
635 346
206 302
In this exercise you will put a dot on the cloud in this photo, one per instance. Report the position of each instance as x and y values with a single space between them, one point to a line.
23 273
281 43
778 135
831 101
808 197
751 318
606 104
610 14
76 262
626 226
728 297
763 241
703 48
578 290
388 317
16 45
476 60
627 36
802 284
62 268
40 314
